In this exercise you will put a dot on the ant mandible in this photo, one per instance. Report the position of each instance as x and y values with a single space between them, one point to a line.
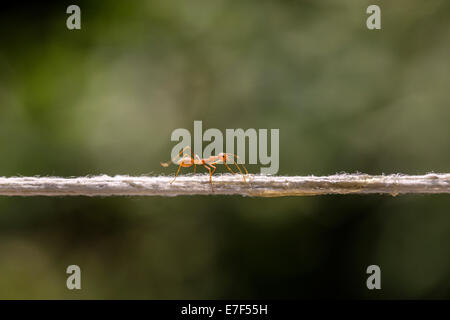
209 163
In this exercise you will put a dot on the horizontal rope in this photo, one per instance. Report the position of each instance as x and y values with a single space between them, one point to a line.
227 184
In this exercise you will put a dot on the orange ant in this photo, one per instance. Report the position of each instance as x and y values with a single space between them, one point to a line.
208 163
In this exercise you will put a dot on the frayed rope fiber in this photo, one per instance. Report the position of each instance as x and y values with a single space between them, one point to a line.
227 184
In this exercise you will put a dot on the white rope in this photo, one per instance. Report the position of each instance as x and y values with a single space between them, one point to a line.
227 184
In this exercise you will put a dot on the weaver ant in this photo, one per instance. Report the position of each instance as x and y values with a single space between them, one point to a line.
209 163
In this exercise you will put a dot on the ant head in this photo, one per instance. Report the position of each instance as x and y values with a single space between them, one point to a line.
223 156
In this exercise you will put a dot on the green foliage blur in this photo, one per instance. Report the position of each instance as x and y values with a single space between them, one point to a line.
105 99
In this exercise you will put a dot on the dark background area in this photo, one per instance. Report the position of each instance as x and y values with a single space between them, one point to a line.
105 99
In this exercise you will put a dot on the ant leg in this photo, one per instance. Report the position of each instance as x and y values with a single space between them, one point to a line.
232 156
210 174
179 168
235 163
229 169
178 171
166 164
193 160
243 175
220 160
192 156
237 157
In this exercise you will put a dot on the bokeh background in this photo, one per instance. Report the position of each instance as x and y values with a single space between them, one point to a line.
105 99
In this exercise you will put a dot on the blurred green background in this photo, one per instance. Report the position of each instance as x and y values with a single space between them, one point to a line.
105 99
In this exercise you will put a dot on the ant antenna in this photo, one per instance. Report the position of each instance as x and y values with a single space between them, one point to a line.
232 156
